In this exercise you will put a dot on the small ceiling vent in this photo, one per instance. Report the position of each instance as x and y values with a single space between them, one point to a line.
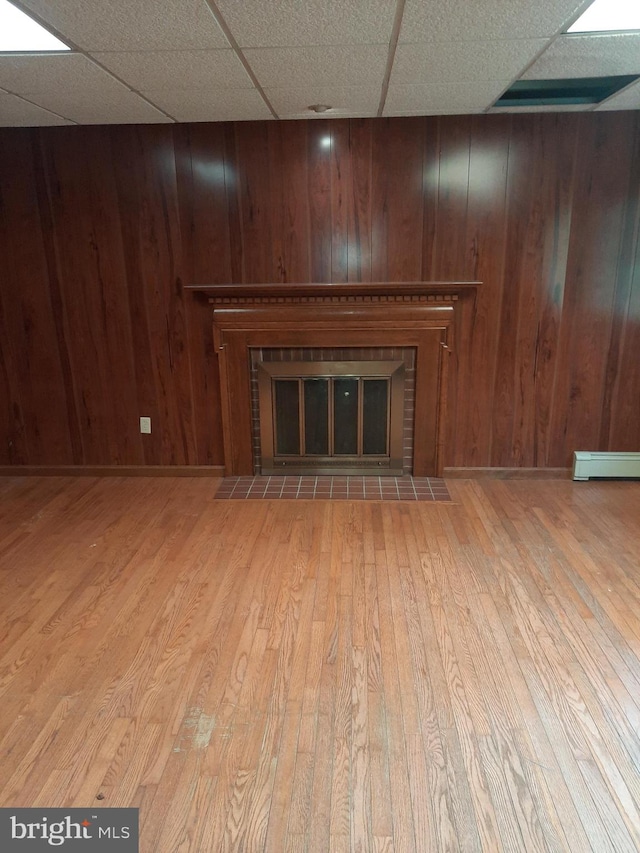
581 90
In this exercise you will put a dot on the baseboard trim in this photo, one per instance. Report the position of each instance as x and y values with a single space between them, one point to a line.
111 471
508 473
607 464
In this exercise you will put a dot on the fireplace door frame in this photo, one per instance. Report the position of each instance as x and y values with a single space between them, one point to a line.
388 463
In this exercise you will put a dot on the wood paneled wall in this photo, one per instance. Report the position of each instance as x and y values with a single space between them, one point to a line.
101 226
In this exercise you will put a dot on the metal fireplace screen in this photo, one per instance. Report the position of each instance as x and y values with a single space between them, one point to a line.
331 417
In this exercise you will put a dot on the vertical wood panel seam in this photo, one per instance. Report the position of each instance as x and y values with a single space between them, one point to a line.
7 357
45 205
308 201
370 201
502 290
187 313
561 326
148 329
617 336
237 182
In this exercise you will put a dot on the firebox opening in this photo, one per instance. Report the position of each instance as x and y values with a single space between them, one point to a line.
331 417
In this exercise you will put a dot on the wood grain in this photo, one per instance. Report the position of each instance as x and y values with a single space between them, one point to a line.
100 228
295 676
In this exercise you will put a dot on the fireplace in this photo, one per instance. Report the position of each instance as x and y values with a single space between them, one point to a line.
382 320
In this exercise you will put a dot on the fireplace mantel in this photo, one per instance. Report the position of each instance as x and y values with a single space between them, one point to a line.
422 291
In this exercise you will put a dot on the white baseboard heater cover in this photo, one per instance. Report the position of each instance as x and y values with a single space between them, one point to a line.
588 464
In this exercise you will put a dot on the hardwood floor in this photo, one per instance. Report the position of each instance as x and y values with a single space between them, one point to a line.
315 676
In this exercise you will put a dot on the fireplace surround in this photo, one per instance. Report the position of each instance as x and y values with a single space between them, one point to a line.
350 316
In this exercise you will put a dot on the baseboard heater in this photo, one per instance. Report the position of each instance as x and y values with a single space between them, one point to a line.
587 464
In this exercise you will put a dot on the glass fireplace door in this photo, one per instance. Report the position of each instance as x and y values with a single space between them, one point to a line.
331 417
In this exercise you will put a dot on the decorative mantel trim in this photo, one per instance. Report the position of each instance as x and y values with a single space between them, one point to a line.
322 293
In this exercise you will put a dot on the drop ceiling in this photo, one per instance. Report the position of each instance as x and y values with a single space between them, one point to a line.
153 61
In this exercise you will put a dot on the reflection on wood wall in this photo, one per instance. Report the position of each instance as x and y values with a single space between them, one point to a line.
101 226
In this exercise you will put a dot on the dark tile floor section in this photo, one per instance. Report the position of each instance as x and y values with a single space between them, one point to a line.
333 488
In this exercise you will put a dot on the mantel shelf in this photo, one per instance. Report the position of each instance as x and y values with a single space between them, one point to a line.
289 291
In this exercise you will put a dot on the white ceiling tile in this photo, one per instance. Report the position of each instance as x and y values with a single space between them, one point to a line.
288 23
133 24
474 20
211 104
345 101
178 69
111 106
46 72
14 112
76 88
443 97
342 65
628 99
459 61
588 56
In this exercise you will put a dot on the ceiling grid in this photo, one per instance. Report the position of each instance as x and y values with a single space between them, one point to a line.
157 61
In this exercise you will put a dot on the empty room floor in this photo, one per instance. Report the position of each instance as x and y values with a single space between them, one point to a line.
320 675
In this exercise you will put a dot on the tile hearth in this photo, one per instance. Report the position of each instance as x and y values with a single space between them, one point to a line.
333 488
